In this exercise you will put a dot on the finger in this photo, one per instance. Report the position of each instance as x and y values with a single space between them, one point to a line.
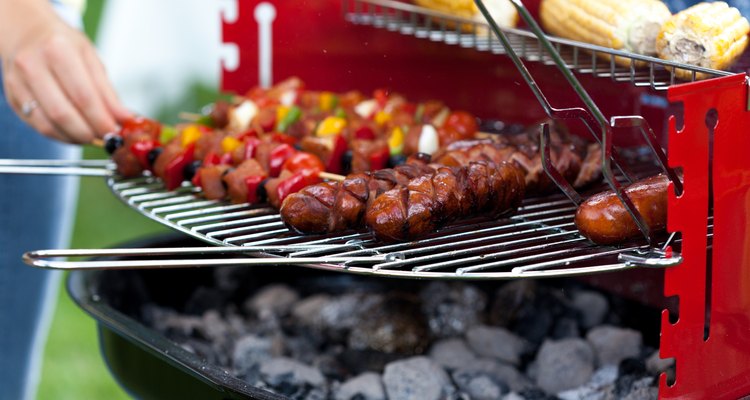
16 92
56 105
70 72
99 75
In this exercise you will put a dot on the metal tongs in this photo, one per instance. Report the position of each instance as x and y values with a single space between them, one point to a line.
592 117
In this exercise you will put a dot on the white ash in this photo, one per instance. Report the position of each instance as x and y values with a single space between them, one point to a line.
592 307
272 300
452 308
564 364
293 379
497 343
349 343
452 354
613 344
367 386
416 378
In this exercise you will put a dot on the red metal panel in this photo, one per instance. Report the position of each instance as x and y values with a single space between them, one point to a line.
311 40
719 366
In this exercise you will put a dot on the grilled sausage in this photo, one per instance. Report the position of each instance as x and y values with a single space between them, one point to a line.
337 206
604 219
428 202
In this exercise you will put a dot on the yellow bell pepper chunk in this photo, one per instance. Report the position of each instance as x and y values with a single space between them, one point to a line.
281 112
229 144
396 141
190 135
331 126
382 117
328 101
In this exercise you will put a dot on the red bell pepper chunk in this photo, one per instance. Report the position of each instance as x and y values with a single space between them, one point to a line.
334 164
381 96
278 155
295 183
226 159
197 179
140 150
279 137
251 145
173 173
211 159
409 108
364 132
379 159
247 134
253 182
142 125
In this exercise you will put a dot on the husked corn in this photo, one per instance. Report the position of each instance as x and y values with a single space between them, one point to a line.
630 25
502 11
711 35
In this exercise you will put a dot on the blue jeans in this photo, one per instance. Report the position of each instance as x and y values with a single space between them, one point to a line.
36 212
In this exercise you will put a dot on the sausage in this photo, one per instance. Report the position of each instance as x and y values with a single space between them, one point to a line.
428 202
603 218
337 206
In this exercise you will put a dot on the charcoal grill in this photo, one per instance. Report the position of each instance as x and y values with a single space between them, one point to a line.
705 125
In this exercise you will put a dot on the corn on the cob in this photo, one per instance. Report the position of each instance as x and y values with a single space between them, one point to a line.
711 35
501 10
630 25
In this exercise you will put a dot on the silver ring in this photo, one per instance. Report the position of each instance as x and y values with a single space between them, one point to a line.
28 107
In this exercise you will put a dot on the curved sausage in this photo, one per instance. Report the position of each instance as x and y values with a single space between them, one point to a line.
604 219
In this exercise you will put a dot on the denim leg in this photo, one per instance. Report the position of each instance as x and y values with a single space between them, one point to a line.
36 212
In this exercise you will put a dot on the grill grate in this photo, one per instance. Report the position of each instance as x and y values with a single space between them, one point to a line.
420 22
539 240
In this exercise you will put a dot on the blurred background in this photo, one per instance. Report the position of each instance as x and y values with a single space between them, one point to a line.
163 58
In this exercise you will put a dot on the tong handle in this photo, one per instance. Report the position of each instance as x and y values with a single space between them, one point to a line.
44 258
56 167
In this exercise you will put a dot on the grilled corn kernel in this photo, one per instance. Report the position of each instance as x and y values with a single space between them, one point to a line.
711 35
630 25
190 135
502 11
330 126
229 144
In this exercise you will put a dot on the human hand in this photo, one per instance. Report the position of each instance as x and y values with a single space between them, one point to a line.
52 76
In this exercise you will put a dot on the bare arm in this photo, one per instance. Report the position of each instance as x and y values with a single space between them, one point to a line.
54 67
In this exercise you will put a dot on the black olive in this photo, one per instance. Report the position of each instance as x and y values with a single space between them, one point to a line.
223 174
395 160
189 171
261 191
153 155
346 161
297 146
424 157
112 143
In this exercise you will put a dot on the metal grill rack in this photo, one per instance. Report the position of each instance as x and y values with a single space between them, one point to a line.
540 240
584 58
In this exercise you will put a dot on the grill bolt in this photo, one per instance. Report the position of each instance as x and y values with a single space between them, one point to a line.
112 143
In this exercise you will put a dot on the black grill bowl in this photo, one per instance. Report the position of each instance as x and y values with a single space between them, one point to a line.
145 363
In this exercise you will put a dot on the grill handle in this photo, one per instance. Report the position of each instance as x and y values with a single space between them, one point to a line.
57 167
46 258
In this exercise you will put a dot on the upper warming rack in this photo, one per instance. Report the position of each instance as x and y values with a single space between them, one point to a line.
584 58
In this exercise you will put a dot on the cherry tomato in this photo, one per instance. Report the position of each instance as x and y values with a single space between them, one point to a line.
140 125
303 162
462 123
381 96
